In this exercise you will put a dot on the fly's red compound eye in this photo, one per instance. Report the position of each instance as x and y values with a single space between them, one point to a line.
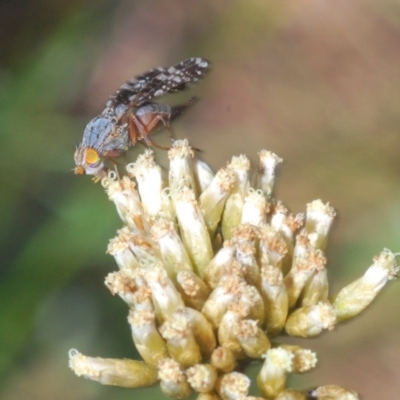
92 157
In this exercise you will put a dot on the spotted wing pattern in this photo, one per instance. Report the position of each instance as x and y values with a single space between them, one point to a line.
157 82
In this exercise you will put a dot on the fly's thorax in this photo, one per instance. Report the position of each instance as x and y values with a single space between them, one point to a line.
97 131
106 134
120 110
88 160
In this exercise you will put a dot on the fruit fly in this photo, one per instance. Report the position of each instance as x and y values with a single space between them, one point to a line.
130 114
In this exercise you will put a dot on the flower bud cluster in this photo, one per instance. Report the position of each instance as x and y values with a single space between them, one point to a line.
212 268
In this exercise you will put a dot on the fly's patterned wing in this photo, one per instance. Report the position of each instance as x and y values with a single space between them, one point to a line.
157 82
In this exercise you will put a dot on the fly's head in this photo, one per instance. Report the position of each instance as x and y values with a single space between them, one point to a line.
96 143
88 160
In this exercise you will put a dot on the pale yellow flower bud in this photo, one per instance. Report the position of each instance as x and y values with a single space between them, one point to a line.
304 359
193 230
131 288
265 177
273 247
212 200
173 380
148 175
275 297
208 396
333 392
234 386
253 398
223 359
126 199
297 278
245 255
245 233
253 340
319 218
229 324
317 287
202 174
119 248
121 284
146 337
255 208
286 224
305 262
356 296
291 394
220 264
193 289
240 165
202 331
202 377
228 290
166 297
181 343
144 250
311 320
173 252
180 167
142 299
234 205
109 371
271 379
252 298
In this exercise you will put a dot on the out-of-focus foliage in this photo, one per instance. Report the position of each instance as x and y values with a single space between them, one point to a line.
316 82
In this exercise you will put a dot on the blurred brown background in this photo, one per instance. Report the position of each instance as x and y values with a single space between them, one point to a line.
317 82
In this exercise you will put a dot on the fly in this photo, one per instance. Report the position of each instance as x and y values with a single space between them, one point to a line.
131 115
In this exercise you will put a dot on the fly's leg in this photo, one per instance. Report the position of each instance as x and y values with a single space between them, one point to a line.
133 130
110 156
165 122
140 130
152 144
168 129
135 136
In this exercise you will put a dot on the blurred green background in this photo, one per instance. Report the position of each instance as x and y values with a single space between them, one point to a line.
316 82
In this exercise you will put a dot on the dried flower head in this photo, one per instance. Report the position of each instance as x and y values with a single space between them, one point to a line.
211 269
